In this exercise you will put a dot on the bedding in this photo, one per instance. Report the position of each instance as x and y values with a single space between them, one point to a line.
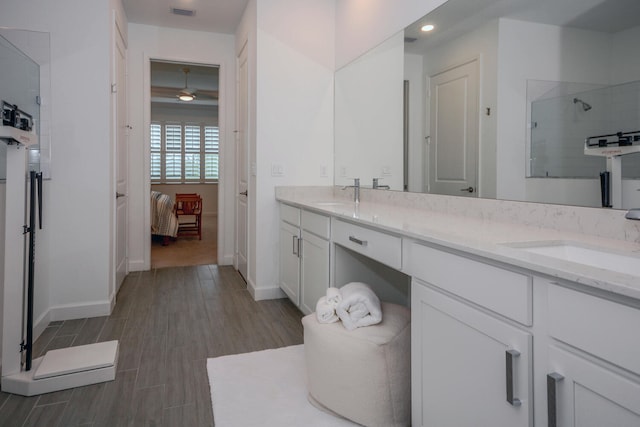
163 219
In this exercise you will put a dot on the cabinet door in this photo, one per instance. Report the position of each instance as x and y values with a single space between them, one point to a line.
315 271
290 261
466 365
583 394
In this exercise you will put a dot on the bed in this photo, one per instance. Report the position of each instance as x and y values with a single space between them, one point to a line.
163 218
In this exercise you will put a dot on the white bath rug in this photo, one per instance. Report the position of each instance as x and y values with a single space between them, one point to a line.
264 388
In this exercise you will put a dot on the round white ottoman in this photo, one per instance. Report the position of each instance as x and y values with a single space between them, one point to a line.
363 375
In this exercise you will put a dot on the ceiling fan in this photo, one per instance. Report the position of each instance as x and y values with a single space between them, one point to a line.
186 94
168 87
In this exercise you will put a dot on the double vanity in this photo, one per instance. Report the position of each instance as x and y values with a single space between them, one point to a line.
522 314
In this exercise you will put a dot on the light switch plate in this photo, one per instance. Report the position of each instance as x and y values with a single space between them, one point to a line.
277 169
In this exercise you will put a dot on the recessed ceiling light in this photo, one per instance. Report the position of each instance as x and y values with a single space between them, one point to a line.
427 28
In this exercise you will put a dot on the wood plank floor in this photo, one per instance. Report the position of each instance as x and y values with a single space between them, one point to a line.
168 321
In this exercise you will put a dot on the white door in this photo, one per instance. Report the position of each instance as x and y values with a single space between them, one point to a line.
242 166
290 261
585 394
463 366
121 156
453 148
314 271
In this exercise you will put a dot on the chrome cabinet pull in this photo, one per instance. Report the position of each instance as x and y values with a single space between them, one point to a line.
358 241
552 411
296 246
509 355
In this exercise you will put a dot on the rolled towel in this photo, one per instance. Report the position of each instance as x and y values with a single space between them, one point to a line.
334 296
325 312
359 307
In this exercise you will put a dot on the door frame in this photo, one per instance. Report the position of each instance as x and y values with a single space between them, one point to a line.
222 154
244 50
119 88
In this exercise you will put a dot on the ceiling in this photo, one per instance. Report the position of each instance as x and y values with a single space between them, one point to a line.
217 16
460 16
168 78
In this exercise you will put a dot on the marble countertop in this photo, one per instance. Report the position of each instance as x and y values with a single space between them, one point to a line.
480 236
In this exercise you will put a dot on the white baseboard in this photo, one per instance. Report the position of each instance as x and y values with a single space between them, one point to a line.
225 260
260 294
79 311
137 265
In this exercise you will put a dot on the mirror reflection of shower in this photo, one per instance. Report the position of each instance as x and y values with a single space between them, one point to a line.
585 106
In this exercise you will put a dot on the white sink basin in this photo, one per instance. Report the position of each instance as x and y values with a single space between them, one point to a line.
592 257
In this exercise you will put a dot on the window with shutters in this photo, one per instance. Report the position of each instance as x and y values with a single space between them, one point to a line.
184 152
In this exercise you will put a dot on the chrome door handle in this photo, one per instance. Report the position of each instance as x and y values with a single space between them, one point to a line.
244 193
296 246
358 241
468 189
552 408
509 355
118 195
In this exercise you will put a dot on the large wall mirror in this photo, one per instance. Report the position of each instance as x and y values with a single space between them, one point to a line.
25 83
496 101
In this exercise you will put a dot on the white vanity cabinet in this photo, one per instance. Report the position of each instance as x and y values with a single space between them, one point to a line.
304 256
290 252
470 365
592 362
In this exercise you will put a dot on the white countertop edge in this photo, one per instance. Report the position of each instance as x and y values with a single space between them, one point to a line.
496 250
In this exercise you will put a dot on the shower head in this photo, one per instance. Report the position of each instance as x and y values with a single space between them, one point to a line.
585 106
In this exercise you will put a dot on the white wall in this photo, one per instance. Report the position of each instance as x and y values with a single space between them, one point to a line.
368 117
75 248
2 250
625 56
293 119
149 42
539 52
363 24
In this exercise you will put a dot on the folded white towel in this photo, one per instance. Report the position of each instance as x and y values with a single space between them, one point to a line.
325 312
359 307
334 296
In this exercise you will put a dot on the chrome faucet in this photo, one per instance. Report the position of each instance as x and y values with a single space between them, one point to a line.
633 214
356 189
376 184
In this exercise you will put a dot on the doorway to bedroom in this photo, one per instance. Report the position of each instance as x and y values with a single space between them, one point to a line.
184 162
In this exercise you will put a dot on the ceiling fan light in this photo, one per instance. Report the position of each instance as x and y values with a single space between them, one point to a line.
186 94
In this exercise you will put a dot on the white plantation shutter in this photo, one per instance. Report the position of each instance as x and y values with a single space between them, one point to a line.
192 152
173 152
180 154
156 151
211 149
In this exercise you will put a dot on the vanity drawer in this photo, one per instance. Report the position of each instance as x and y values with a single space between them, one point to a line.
606 329
290 214
503 291
374 244
316 224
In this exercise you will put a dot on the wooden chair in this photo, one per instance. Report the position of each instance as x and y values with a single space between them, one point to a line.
189 205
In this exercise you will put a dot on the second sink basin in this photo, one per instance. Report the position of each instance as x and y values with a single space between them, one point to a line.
574 252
